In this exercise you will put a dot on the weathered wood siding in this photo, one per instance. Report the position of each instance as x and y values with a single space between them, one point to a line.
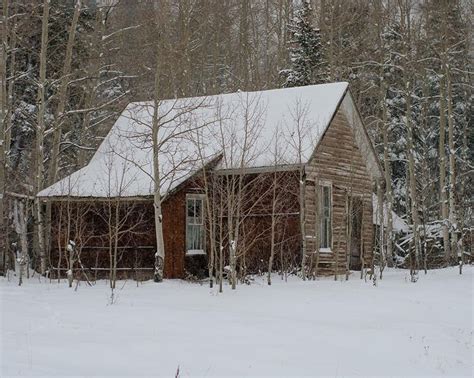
89 226
254 246
338 161
174 229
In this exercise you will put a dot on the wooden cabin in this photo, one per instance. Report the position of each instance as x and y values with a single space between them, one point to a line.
294 168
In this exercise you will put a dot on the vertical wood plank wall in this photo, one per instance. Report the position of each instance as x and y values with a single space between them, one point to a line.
338 160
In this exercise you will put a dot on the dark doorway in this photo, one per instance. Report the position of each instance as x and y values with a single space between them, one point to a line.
355 224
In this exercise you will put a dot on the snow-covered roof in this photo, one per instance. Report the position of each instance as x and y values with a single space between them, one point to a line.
250 129
399 225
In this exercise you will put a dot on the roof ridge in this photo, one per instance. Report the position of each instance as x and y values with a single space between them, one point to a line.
144 102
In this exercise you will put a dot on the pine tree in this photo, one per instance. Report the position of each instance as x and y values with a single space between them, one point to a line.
306 51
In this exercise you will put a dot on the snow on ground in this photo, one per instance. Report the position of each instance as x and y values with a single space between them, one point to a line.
289 329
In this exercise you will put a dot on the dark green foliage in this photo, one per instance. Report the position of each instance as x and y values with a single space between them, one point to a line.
306 51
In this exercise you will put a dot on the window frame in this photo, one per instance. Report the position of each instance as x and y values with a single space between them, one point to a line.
199 223
329 247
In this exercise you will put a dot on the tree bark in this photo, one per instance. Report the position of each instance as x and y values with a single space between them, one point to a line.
273 229
412 186
92 71
442 170
62 97
452 170
160 245
302 222
3 131
39 153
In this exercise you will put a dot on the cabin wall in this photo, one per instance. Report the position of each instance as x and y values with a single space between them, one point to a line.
338 161
255 237
174 230
90 224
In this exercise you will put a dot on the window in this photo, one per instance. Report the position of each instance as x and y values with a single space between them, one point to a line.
195 233
326 215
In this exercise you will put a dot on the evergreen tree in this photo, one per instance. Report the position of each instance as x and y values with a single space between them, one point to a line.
306 51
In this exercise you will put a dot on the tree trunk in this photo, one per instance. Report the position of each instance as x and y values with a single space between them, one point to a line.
39 153
380 215
302 223
412 186
92 71
62 98
273 229
20 223
317 226
452 171
3 131
388 181
160 245
442 169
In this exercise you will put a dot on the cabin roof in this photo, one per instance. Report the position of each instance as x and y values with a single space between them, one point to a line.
249 129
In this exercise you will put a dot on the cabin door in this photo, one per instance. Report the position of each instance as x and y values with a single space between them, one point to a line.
355 225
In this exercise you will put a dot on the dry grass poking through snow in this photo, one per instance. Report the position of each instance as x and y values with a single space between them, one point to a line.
289 329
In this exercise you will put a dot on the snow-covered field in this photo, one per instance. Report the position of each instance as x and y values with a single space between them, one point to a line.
289 329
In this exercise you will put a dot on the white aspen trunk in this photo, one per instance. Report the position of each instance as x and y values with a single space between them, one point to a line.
452 172
233 224
69 250
19 221
212 234
62 97
388 181
160 250
39 153
464 214
210 211
442 170
5 140
317 226
160 245
92 70
70 272
405 16
361 246
302 222
9 100
273 227
380 215
116 239
221 231
349 203
111 239
3 131
412 186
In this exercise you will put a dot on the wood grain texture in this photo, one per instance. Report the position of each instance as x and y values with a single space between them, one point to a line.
339 162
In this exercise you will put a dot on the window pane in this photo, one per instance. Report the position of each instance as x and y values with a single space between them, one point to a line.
329 233
194 224
326 197
323 235
326 232
198 212
190 211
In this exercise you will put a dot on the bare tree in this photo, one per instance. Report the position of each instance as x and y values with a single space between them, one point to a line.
62 96
20 216
298 133
276 202
39 145
3 129
238 144
406 27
